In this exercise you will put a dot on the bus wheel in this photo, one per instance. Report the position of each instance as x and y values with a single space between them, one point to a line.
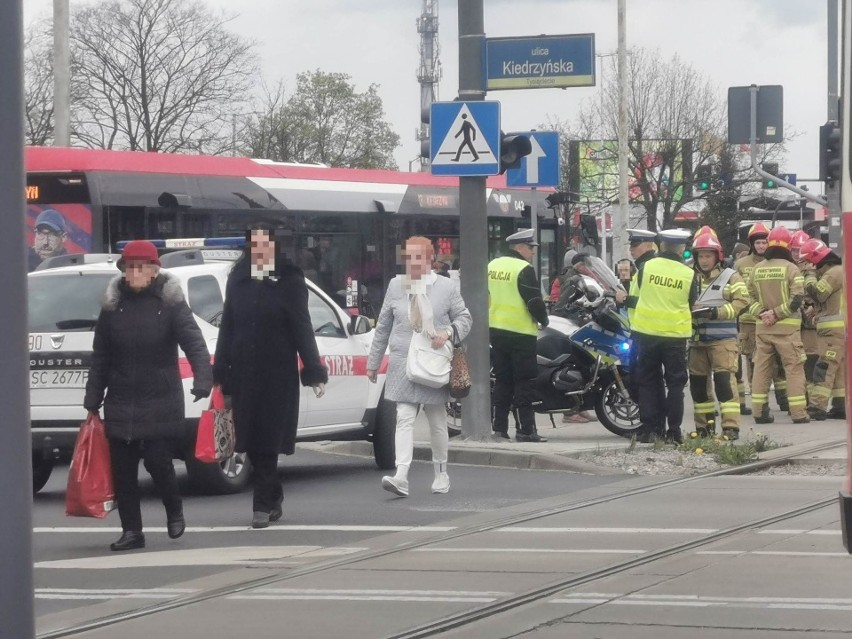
41 471
221 478
384 435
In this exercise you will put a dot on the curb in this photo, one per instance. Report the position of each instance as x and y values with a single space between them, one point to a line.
475 456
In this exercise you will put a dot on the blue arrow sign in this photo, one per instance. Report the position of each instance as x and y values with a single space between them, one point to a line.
541 167
465 138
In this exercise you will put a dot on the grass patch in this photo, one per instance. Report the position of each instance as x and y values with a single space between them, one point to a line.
730 453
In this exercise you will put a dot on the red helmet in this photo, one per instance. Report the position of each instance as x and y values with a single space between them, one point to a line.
705 230
779 236
798 239
814 251
707 242
758 231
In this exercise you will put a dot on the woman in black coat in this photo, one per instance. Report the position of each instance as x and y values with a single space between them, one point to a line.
143 320
265 329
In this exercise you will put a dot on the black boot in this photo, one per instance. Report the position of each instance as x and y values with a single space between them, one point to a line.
531 437
781 398
731 433
764 417
277 510
838 408
744 410
817 414
175 523
129 540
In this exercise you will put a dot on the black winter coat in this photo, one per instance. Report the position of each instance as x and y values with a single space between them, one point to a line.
265 329
135 360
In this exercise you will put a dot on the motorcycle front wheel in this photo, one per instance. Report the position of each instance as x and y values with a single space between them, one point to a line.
618 415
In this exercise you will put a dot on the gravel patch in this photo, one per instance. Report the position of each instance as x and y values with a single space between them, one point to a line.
685 464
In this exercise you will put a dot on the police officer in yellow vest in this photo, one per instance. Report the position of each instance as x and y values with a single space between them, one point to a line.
515 311
661 295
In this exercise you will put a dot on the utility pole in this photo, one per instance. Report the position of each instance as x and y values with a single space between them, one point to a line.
473 228
16 558
832 190
622 211
61 74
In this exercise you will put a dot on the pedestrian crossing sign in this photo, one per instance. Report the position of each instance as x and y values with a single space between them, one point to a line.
465 138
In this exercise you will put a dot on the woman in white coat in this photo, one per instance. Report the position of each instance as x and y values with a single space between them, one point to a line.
418 300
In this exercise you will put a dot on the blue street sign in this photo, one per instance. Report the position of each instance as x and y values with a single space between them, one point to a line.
789 177
465 138
541 166
540 62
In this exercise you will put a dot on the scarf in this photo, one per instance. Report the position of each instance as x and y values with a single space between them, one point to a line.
420 313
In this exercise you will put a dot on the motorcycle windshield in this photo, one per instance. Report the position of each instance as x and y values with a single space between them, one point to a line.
594 267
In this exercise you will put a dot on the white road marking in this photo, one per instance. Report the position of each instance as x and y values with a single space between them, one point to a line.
438 596
572 551
273 528
780 531
229 556
114 593
699 601
773 553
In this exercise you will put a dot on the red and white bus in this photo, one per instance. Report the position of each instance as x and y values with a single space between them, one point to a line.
346 223
845 183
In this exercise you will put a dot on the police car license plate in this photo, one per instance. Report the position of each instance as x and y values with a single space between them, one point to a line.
58 378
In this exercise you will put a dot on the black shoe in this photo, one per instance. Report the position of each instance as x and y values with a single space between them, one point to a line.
802 420
129 540
277 511
732 434
674 437
500 434
744 410
175 526
764 417
260 520
816 414
532 437
836 414
647 438
705 432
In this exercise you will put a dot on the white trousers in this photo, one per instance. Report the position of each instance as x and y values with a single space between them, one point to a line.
406 413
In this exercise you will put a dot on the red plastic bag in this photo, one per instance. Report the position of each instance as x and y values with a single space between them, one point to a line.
215 440
90 492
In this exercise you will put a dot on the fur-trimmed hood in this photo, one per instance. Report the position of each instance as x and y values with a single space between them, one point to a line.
166 287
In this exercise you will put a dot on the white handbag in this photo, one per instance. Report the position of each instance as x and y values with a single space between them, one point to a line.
426 365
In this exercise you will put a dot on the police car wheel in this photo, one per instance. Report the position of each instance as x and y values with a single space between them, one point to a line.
41 471
384 435
617 414
222 478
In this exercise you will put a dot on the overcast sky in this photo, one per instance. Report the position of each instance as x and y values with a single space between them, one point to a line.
734 42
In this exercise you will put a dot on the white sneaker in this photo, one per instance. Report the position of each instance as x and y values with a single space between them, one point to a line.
441 483
395 485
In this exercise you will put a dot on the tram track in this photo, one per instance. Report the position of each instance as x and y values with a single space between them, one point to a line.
460 619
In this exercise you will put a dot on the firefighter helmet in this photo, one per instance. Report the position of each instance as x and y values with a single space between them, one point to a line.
708 242
798 240
814 251
706 229
758 231
779 236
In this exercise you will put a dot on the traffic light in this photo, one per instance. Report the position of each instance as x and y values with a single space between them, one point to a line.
772 169
589 230
829 152
512 148
703 175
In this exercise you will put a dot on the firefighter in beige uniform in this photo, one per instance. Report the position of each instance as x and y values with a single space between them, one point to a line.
744 266
714 350
825 286
809 332
776 288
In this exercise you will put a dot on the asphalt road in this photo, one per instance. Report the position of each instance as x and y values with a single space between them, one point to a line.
332 504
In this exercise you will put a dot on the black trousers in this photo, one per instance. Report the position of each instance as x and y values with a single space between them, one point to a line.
515 370
661 375
268 491
157 456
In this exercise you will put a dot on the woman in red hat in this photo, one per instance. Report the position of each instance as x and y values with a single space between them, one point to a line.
143 321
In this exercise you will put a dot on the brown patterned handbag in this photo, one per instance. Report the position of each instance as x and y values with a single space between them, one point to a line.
459 371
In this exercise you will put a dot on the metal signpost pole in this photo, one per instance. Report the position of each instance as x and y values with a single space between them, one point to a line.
16 561
534 227
832 189
620 220
473 230
61 74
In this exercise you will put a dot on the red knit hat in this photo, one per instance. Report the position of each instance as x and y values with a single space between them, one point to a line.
139 251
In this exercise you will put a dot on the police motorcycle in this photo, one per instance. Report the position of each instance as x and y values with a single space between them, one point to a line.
583 354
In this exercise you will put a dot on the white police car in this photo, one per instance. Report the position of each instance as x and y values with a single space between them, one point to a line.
64 302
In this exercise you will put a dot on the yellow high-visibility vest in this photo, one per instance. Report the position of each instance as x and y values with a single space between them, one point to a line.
662 307
507 309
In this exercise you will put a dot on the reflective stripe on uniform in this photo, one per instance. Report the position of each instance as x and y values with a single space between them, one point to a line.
726 408
797 400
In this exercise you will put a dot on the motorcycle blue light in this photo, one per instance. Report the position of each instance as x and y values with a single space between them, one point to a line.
625 346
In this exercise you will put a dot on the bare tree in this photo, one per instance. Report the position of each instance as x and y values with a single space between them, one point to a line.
38 84
677 122
326 121
157 75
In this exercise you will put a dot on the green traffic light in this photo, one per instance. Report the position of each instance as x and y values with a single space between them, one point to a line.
770 184
704 185
687 254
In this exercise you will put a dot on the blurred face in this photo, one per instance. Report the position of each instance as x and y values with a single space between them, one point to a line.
418 259
623 271
638 250
525 250
139 275
48 242
706 260
796 254
760 246
261 250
